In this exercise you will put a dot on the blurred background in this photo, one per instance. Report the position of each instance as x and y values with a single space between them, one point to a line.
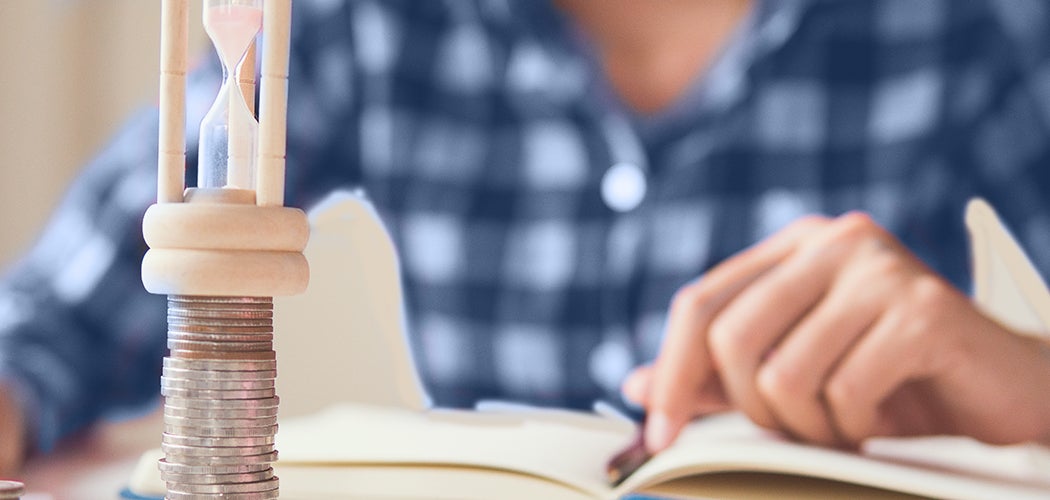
70 72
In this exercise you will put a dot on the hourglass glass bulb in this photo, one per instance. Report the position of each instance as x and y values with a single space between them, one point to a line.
228 132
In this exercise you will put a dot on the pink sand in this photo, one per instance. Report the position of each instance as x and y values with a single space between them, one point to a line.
232 28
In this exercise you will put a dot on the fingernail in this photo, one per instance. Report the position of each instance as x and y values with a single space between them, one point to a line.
657 432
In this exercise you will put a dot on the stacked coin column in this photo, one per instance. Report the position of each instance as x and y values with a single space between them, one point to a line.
220 255
220 410
11 490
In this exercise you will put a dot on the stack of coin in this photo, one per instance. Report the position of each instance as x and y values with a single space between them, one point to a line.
220 405
11 490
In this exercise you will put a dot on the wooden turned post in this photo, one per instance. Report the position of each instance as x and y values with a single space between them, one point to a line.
273 103
174 40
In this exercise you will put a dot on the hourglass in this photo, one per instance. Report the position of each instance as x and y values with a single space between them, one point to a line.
221 251
228 133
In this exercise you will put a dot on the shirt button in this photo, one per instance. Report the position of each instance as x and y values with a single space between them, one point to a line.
624 186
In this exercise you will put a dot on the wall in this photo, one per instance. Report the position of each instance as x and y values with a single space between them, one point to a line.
70 72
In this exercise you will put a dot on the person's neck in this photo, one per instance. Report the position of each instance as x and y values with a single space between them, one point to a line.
652 51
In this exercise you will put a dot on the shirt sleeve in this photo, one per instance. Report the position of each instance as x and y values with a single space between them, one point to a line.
78 333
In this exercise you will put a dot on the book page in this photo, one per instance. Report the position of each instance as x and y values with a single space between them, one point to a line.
349 324
568 448
1006 284
729 442
402 482
767 486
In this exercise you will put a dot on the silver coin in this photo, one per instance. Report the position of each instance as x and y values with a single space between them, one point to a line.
216 442
220 326
218 375
265 458
216 394
222 333
184 469
195 345
11 489
217 461
220 330
268 485
221 337
247 477
227 310
200 324
183 452
203 312
264 495
233 432
231 404
220 422
219 317
220 365
211 318
224 355
218 385
271 495
216 301
222 413
232 338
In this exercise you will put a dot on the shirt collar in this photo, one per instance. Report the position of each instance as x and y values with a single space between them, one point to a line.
767 28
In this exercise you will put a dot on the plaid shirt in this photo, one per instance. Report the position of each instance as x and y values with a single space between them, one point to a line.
543 226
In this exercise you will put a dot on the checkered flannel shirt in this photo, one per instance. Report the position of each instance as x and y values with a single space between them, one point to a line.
484 132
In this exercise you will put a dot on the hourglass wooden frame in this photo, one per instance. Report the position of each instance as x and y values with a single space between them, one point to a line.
218 241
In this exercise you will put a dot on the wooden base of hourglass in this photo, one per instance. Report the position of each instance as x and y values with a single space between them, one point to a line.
220 243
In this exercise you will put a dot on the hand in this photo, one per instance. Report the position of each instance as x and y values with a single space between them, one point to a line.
12 434
832 332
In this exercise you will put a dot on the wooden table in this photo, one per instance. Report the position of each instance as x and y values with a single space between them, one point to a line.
95 464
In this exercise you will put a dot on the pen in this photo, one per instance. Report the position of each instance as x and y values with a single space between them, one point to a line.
630 459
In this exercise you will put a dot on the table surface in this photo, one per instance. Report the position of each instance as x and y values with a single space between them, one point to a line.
95 464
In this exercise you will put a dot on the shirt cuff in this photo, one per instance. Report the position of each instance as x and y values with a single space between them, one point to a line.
29 404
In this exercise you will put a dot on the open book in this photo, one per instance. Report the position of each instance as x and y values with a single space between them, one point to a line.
374 436
359 451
